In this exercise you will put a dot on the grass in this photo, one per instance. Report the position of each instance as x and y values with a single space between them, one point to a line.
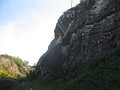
102 73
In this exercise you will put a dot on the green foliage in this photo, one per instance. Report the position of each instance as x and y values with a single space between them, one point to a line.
8 72
3 73
17 60
25 63
102 73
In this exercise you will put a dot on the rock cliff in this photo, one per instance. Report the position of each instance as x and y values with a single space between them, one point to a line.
91 27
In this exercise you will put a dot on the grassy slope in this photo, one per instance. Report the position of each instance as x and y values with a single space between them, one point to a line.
103 73
12 67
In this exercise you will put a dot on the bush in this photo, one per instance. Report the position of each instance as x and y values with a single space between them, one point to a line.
17 60
3 73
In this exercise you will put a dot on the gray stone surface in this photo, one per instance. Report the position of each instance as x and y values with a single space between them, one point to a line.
92 27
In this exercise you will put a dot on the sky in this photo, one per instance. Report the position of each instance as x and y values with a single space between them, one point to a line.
27 26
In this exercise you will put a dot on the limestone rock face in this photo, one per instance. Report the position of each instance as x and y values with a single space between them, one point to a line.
92 27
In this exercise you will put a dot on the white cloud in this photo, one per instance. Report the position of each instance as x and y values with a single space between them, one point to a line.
28 36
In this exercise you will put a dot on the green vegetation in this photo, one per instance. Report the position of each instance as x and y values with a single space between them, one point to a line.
17 60
12 67
8 73
3 73
8 83
102 73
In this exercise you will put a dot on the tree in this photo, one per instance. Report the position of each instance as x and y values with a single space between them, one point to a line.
25 63
18 61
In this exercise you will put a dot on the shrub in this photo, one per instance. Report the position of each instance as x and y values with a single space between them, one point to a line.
3 73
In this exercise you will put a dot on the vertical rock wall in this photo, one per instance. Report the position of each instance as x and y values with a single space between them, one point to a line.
92 27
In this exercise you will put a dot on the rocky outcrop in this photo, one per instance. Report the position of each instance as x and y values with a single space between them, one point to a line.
13 66
92 27
9 66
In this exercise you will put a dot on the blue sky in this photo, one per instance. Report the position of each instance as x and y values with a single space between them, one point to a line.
27 26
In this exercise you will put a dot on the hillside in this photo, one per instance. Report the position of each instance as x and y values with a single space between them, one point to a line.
13 70
84 54
8 67
102 73
12 66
